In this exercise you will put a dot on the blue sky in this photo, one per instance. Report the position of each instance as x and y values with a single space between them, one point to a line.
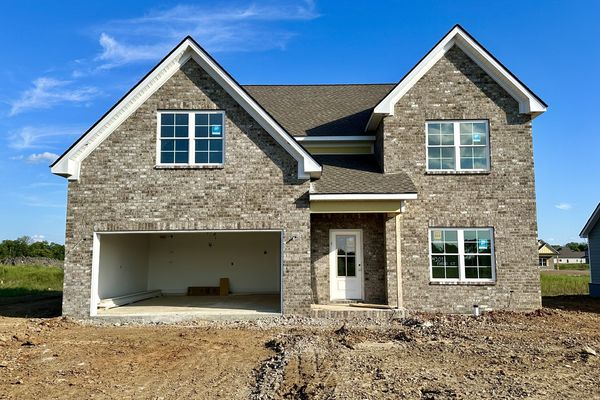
64 64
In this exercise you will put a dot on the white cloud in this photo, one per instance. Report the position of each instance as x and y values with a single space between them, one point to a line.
115 53
48 92
37 238
38 201
42 157
32 137
563 206
217 28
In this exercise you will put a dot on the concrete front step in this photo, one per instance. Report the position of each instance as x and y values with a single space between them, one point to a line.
345 311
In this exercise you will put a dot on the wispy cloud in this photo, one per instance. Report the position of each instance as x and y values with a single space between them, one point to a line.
218 28
46 156
115 53
48 92
32 137
563 206
43 202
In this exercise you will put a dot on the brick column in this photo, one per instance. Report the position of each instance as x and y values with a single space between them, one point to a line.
391 259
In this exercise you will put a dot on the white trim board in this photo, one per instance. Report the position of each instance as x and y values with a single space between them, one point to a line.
529 103
358 138
68 164
362 196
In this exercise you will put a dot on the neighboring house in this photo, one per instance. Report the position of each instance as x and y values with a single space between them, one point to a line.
591 231
417 195
568 256
547 255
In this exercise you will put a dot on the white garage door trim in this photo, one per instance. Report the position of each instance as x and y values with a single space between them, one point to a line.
94 299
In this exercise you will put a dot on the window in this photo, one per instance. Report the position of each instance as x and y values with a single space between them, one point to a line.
461 254
458 146
191 138
346 255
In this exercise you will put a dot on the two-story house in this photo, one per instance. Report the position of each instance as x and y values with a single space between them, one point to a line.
417 195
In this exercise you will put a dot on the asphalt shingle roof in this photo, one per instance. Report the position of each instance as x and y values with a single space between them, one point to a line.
320 110
358 174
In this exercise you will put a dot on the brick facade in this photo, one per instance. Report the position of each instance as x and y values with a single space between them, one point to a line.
504 198
120 189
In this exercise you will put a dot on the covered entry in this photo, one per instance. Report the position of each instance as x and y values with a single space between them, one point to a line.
201 272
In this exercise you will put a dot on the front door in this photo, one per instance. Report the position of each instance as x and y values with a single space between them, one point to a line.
346 265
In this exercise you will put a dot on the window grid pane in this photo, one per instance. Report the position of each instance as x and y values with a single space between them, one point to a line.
174 138
444 249
209 127
440 146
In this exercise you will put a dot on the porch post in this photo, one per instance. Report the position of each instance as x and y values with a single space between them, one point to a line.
391 260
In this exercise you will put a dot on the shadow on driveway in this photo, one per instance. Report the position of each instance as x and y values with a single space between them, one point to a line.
581 302
46 305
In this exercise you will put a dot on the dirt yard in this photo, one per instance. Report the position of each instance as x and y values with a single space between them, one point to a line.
552 353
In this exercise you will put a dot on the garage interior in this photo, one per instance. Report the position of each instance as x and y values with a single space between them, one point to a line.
218 273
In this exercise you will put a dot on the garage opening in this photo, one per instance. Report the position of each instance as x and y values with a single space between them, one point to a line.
198 274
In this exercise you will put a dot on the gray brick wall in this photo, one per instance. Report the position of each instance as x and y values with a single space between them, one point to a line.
120 189
456 88
372 226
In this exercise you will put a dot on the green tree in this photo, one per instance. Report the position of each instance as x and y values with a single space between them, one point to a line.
577 246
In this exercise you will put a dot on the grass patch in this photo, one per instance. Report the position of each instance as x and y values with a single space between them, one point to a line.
21 280
558 285
576 267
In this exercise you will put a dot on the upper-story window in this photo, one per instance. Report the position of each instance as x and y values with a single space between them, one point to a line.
458 146
191 138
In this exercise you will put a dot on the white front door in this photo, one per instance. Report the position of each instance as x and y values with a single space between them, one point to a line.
346 270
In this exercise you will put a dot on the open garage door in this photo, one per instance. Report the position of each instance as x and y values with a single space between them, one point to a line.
216 273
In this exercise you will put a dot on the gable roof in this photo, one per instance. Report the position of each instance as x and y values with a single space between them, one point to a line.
529 102
68 164
321 110
591 223
542 244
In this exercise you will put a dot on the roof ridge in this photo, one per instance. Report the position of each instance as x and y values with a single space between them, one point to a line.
322 84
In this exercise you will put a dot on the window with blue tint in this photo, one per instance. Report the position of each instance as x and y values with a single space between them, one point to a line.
458 146
191 137
209 137
174 138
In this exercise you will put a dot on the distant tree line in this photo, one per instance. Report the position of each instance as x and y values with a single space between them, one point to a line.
26 247
573 246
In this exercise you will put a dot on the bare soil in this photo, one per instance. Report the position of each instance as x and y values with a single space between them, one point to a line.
544 354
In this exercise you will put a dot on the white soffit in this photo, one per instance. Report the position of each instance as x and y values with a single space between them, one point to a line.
529 103
361 196
68 165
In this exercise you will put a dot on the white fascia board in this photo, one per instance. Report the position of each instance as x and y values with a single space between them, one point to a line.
363 138
362 196
594 218
69 163
528 102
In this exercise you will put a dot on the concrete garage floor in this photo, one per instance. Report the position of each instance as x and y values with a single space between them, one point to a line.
204 307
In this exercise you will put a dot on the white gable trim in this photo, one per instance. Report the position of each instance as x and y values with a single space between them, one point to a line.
591 223
68 165
529 103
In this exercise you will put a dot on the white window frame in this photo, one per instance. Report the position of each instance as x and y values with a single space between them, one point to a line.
191 137
456 127
461 256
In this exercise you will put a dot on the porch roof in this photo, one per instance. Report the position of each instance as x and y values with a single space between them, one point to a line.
359 174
